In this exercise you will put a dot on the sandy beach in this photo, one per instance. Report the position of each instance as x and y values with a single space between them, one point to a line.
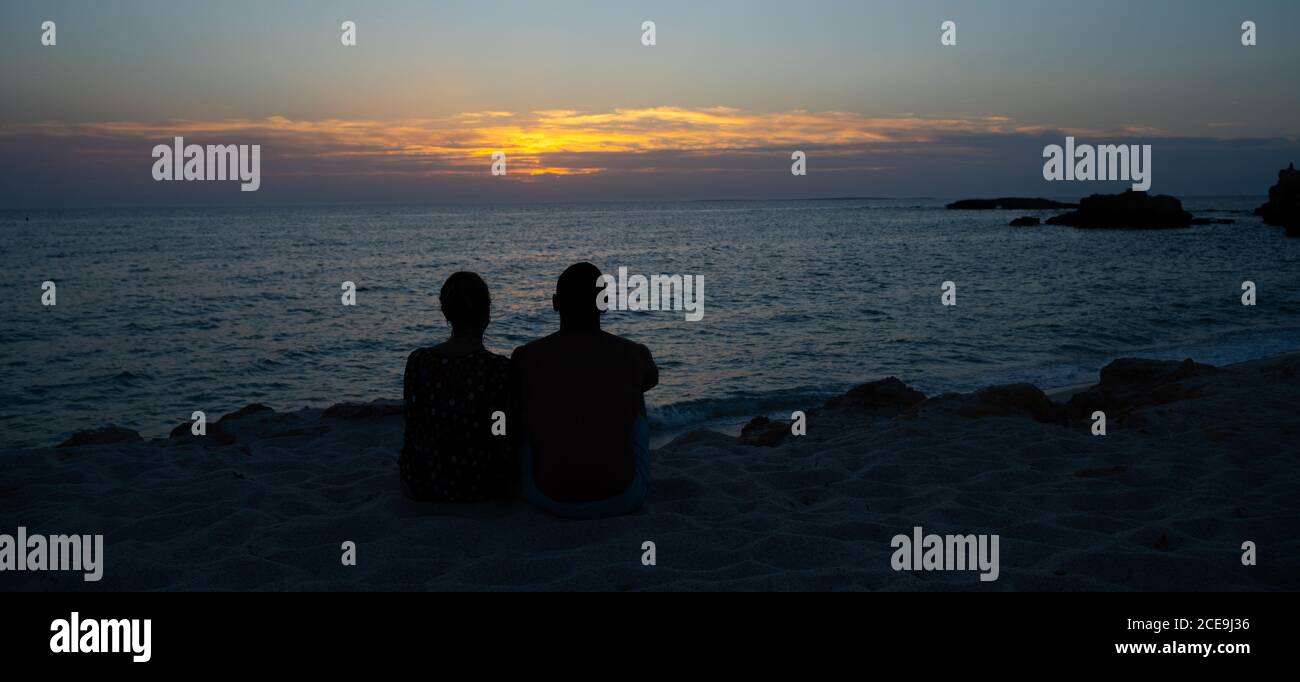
1196 461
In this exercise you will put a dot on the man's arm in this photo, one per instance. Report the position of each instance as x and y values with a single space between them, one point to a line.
650 373
515 417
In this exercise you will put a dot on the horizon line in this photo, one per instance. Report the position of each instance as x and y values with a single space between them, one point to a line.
517 202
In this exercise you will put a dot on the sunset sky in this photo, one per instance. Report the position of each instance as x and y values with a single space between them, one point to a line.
584 111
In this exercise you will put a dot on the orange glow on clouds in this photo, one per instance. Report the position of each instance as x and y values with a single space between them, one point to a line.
549 142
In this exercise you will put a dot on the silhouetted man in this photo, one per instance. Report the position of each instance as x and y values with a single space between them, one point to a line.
586 443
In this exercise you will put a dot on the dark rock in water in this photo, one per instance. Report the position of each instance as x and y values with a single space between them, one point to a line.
1026 221
1283 206
364 410
888 394
1212 221
1127 210
1008 203
182 430
761 431
108 435
217 433
1129 384
695 436
1013 399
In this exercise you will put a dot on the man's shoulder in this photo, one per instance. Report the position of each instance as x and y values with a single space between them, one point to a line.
535 344
532 348
559 340
623 343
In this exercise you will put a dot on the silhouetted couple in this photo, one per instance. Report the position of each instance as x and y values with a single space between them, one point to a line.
562 422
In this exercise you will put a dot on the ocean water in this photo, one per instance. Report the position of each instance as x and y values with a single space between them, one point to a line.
165 311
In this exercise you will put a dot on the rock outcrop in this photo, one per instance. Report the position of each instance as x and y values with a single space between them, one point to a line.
1026 221
1014 399
224 431
762 431
107 435
1135 210
376 408
1283 206
1129 384
1006 400
889 395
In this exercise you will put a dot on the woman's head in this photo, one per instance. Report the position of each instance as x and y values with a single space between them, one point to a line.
465 303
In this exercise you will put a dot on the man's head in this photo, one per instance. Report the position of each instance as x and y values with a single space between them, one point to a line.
466 303
575 294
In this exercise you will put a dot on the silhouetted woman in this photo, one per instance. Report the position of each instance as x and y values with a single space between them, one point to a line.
449 452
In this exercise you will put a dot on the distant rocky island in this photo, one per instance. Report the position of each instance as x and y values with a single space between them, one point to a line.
1007 203
1139 210
1129 209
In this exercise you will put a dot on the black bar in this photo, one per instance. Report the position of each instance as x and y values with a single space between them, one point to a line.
315 631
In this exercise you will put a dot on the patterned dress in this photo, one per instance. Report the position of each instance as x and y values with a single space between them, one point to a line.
449 453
